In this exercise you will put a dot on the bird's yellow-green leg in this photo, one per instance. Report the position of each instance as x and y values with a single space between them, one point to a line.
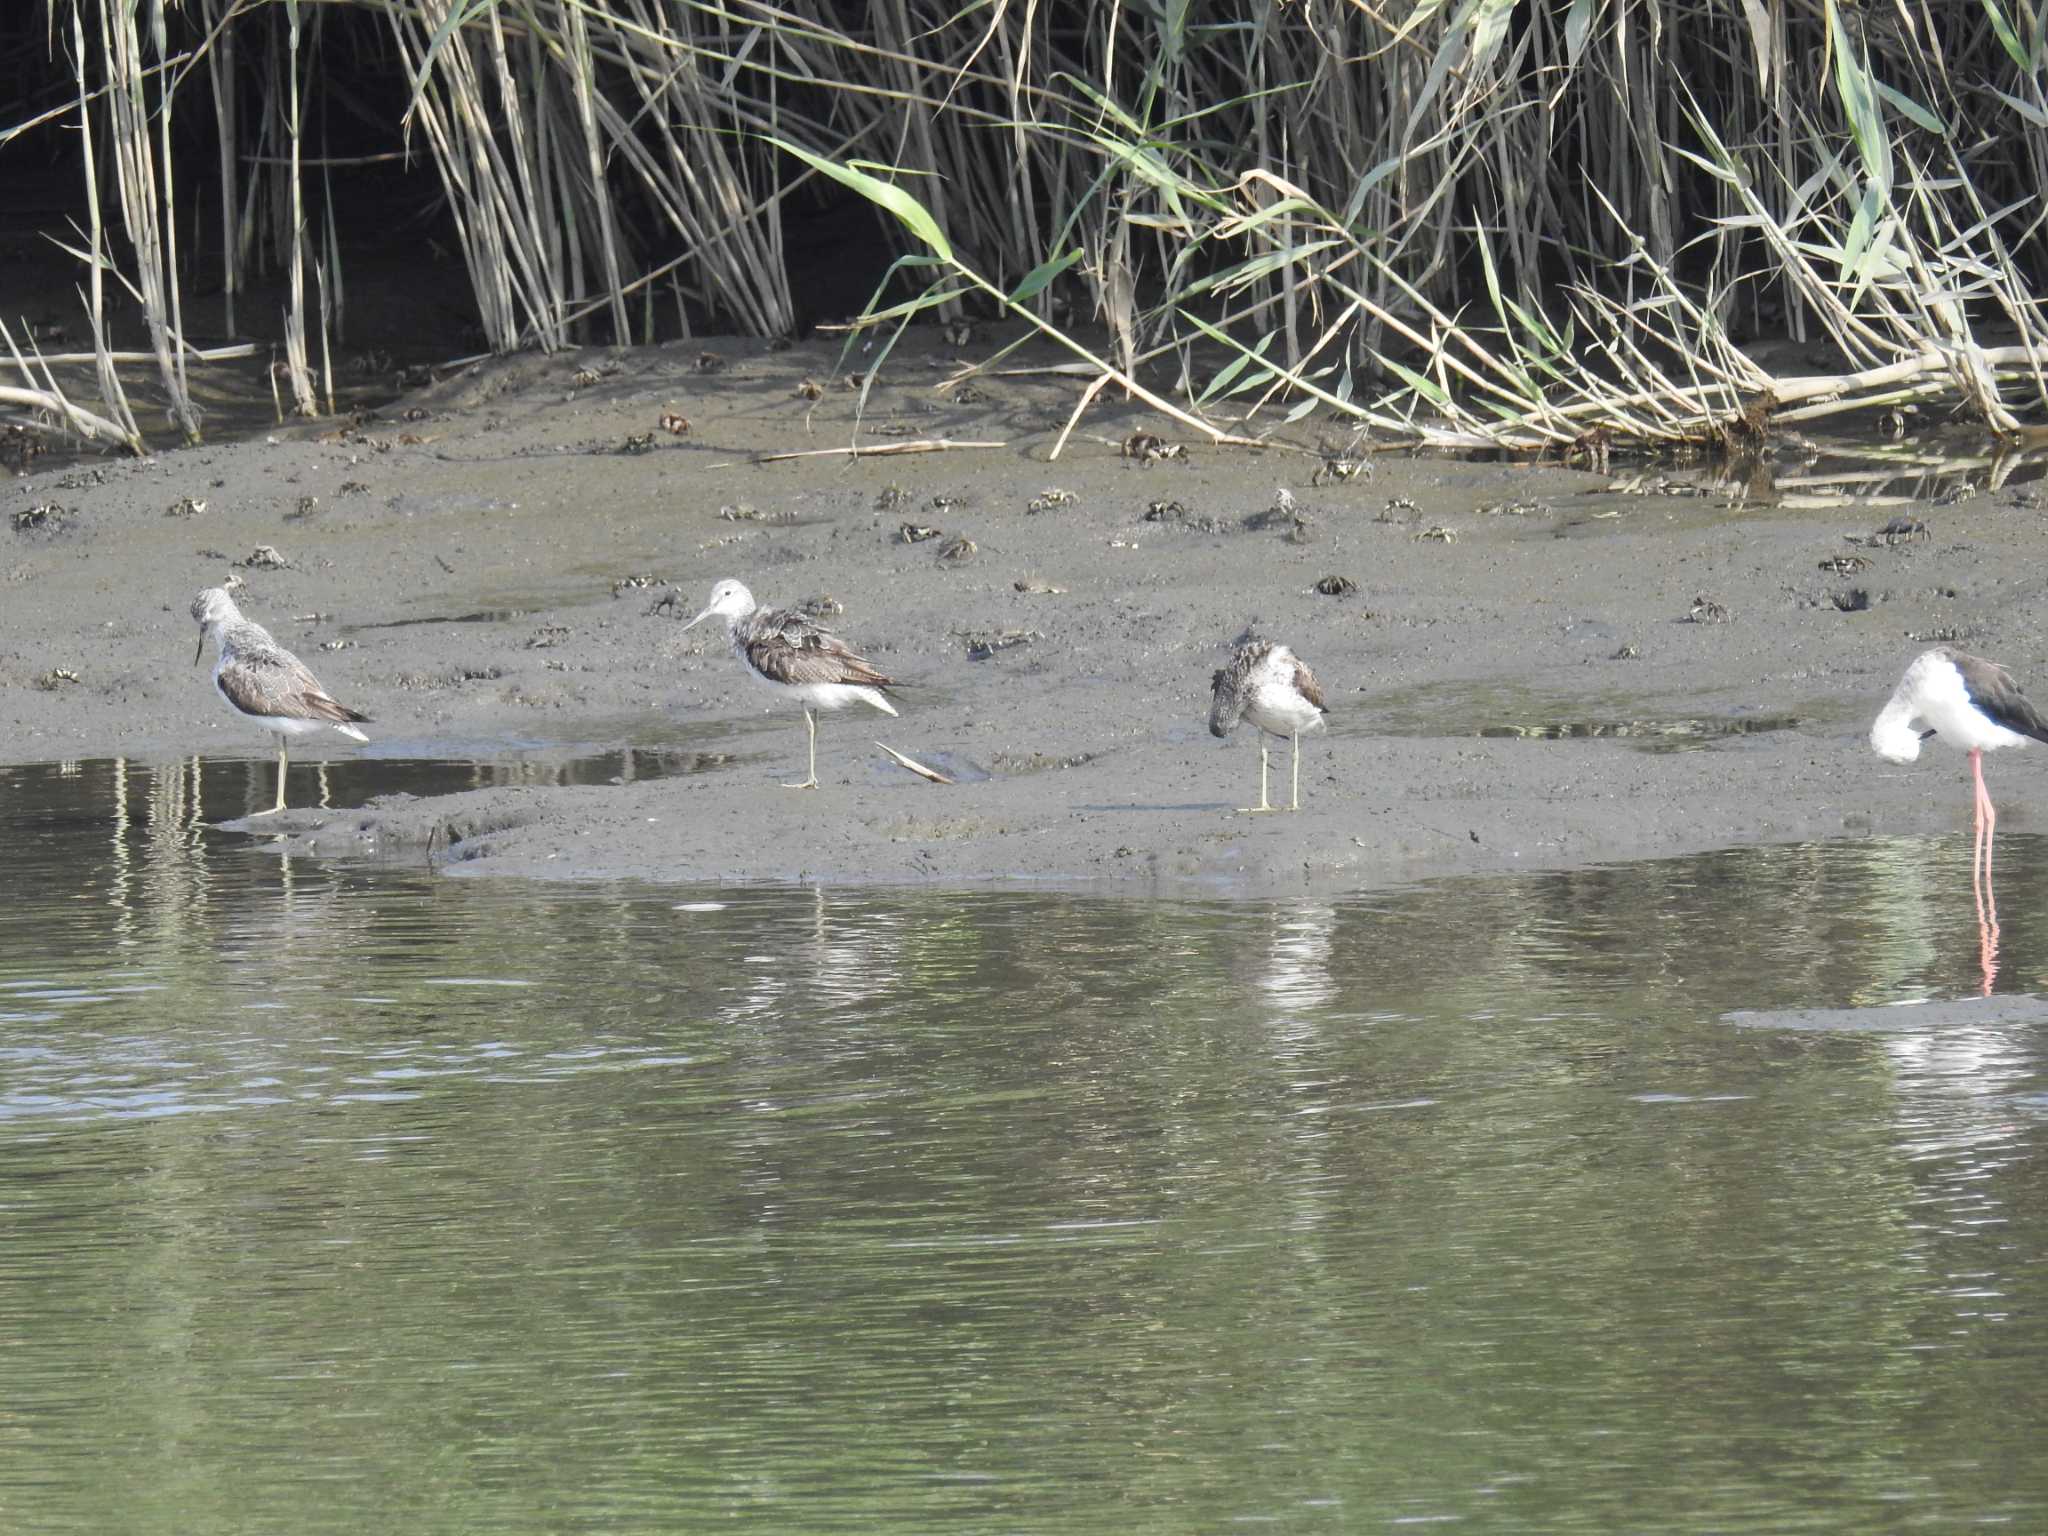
1264 804
1297 773
283 756
810 726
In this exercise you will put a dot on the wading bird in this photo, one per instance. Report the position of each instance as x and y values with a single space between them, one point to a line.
264 683
1267 685
797 657
1974 706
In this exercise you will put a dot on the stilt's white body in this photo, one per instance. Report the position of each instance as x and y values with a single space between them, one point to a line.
1932 696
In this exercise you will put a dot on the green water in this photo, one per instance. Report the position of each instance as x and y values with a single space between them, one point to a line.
345 1198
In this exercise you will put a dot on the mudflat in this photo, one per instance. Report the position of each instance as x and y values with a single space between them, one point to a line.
1526 666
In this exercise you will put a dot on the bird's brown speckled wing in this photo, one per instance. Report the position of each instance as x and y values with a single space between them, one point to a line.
277 684
788 647
1306 685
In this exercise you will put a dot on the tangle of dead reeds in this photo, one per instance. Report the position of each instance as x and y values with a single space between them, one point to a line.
1560 226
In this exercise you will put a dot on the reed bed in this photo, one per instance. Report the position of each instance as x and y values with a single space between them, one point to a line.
1561 228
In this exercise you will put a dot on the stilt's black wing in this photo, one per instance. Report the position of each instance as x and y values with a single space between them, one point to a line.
1993 691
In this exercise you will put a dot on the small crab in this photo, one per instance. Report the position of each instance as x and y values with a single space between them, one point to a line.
1438 534
1339 467
1149 448
808 388
1901 530
1706 611
822 606
1592 449
638 442
916 533
1395 506
1164 512
708 362
631 584
946 501
44 516
1336 586
1051 499
891 497
186 506
674 423
264 557
583 378
19 447
1845 565
957 550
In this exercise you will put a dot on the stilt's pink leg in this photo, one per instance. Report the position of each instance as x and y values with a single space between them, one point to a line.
1980 875
1988 814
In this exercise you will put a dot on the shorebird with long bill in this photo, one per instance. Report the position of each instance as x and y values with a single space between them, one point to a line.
799 658
266 684
1269 686
1975 706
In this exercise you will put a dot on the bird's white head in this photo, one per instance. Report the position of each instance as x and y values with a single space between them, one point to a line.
730 600
212 608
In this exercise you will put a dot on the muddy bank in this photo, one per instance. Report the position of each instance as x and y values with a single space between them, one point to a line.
1535 669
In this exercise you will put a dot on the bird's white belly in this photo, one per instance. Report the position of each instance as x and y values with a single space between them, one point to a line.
1281 711
282 725
821 695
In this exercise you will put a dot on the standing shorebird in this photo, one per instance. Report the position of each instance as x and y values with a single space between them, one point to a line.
1268 685
1976 707
265 683
797 657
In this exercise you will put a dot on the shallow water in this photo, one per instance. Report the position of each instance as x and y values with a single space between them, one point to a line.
347 1197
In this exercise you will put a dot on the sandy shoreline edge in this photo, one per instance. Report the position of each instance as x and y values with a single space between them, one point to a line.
484 574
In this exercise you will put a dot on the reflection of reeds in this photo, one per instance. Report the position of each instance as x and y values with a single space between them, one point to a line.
1482 223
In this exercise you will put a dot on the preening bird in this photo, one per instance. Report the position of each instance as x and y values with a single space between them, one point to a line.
1267 685
1972 704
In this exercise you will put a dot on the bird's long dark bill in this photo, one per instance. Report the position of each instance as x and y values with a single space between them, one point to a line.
199 650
